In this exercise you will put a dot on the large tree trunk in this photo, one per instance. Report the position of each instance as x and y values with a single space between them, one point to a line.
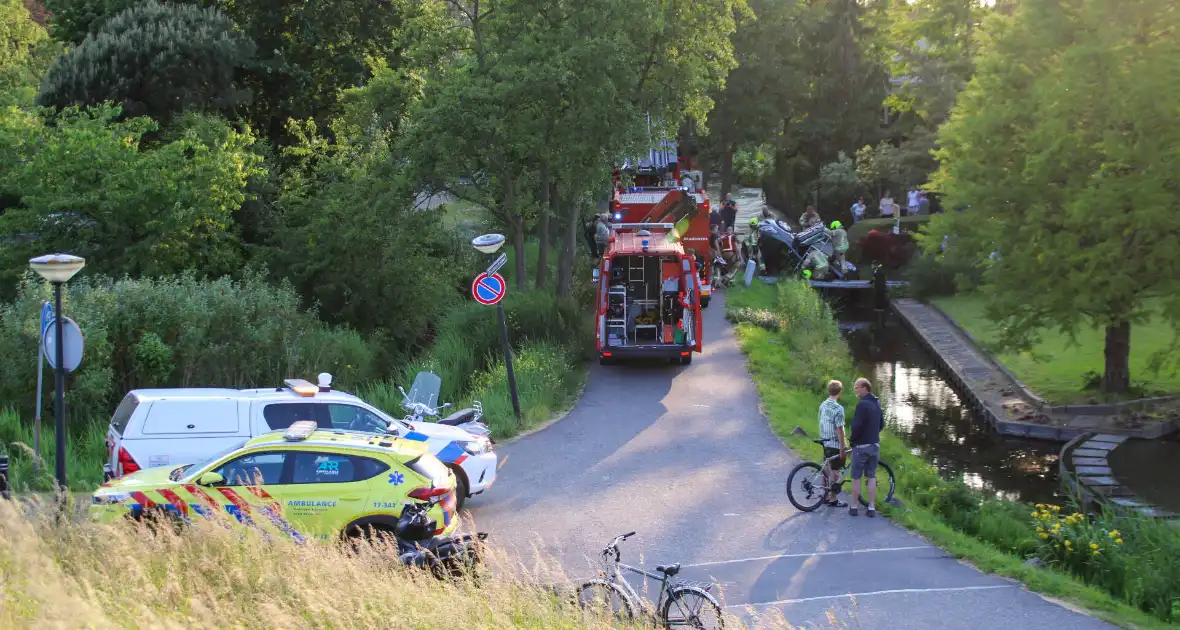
543 228
569 249
726 170
1116 376
515 224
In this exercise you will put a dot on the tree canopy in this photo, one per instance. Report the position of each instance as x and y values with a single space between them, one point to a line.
1066 145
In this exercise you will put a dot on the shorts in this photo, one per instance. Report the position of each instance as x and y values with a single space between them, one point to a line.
864 461
834 452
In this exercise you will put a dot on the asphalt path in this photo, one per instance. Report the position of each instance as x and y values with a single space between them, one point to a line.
683 456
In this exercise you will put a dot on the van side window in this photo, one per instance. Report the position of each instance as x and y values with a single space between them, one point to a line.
123 413
279 416
334 468
254 469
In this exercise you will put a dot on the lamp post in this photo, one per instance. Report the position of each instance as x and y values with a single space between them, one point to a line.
489 244
58 269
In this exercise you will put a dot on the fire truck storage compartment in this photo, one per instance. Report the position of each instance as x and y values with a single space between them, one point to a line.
643 306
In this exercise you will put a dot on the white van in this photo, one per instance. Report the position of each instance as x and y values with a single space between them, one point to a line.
163 427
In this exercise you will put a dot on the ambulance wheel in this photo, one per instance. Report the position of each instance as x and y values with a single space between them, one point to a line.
705 301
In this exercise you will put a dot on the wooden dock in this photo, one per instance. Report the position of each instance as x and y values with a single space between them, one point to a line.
855 284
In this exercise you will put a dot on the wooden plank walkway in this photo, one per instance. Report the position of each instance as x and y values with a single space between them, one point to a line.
855 284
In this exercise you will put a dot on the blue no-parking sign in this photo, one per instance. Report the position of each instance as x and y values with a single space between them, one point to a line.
488 289
46 316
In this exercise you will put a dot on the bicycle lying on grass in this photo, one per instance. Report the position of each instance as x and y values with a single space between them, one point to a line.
681 603
814 485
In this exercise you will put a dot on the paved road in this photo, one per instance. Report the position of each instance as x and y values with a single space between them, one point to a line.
683 456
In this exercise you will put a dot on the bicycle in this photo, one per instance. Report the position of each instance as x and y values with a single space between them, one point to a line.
815 485
689 598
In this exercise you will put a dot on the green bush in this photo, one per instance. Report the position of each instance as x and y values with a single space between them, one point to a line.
177 332
547 377
154 60
91 186
932 276
468 338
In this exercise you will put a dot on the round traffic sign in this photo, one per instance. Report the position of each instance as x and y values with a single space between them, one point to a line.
71 336
488 290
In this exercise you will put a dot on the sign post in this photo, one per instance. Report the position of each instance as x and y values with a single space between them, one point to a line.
488 289
46 319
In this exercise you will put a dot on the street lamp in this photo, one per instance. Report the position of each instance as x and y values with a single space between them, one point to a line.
489 244
58 269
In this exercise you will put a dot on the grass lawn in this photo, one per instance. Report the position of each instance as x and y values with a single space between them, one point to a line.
1054 368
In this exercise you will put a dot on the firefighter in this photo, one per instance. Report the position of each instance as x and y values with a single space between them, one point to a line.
750 246
839 245
809 218
817 263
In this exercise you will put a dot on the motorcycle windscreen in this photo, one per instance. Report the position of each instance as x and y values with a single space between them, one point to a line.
425 389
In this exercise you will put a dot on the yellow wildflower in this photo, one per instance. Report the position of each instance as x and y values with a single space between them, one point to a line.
1118 541
1097 553
1044 536
1068 543
1114 533
1093 545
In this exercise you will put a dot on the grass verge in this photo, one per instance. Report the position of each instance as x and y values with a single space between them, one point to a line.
793 348
1056 367
85 452
214 575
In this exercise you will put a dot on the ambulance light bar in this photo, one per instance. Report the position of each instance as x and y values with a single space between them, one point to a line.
300 430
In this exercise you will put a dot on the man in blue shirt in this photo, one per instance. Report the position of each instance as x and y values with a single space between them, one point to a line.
867 423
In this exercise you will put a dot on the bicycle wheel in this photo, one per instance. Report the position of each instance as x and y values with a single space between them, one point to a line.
885 485
811 488
691 607
599 596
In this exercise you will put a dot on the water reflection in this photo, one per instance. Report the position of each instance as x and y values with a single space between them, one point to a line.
923 408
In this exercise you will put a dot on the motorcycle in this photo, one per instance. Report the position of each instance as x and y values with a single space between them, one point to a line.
420 406
445 556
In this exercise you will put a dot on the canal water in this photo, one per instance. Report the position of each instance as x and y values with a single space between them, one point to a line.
922 407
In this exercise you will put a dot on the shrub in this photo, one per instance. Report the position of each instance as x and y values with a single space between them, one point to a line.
88 185
547 375
154 60
886 248
177 332
931 276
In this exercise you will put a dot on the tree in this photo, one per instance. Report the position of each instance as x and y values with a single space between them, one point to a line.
73 20
89 185
764 88
1065 144
25 53
154 60
839 104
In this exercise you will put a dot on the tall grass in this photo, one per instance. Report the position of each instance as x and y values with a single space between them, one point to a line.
794 347
69 575
85 453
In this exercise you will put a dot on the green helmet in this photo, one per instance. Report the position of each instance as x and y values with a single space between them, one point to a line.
835 225
753 222
806 274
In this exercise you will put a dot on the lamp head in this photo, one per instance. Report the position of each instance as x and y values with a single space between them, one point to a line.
488 243
57 268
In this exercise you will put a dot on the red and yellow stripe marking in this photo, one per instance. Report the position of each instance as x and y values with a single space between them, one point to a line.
175 500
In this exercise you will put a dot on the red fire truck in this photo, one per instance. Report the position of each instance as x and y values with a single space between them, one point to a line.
648 303
657 196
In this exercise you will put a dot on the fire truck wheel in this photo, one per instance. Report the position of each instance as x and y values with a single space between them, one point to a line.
686 360
705 301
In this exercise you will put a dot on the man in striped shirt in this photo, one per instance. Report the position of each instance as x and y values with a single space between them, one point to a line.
831 431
